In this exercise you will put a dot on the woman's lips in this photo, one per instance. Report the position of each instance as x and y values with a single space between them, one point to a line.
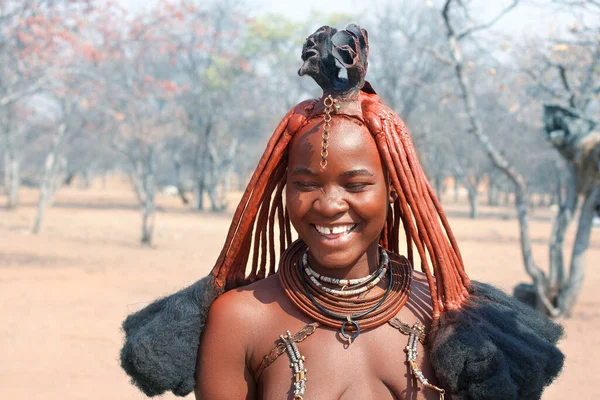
335 231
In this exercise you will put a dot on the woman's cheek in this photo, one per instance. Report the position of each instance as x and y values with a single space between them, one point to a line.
296 201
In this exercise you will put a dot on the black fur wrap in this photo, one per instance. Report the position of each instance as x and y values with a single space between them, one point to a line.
161 340
495 347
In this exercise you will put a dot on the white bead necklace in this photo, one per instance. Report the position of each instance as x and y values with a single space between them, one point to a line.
357 286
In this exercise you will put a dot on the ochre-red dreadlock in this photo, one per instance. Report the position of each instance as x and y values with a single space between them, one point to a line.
417 209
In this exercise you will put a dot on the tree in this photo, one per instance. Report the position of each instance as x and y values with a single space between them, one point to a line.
574 137
12 139
203 44
405 74
55 161
455 36
565 74
136 93
32 33
550 291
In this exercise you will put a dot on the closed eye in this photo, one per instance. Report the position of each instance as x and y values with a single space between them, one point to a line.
357 186
306 186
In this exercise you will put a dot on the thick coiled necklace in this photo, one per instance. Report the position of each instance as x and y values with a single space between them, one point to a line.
349 315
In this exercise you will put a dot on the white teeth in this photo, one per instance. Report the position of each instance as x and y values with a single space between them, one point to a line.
334 230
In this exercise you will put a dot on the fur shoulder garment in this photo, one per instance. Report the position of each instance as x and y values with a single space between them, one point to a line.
493 348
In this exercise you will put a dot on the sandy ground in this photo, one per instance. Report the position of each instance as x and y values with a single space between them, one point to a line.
65 292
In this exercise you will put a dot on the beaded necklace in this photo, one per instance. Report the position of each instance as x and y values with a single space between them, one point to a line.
349 315
345 282
350 287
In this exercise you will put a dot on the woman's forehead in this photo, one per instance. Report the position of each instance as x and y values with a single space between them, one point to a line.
349 143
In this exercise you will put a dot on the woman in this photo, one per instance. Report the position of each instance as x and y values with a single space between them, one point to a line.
344 316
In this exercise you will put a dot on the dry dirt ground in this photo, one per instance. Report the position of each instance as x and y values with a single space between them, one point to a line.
65 291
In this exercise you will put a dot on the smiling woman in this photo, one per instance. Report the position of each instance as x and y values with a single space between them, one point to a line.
343 301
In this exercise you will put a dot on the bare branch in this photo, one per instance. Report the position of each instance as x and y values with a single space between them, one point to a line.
488 24
437 55
17 95
446 16
563 78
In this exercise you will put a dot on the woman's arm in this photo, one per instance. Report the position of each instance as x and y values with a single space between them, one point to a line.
222 370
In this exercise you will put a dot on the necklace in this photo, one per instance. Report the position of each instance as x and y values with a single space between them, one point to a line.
345 282
350 316
343 291
357 286
349 319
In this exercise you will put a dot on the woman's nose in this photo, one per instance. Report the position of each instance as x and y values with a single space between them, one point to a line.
330 203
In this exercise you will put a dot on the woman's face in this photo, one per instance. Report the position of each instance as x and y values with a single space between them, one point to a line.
338 211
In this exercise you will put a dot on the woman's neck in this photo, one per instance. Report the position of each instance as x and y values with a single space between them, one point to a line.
365 265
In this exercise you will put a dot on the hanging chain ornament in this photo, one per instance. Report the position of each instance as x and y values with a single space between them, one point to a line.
328 103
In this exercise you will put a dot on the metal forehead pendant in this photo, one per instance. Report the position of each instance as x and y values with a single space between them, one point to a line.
328 103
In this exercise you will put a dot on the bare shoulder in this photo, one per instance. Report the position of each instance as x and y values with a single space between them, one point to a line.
233 328
249 308
248 303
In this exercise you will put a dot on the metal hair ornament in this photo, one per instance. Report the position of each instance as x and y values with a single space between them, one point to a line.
328 103
324 53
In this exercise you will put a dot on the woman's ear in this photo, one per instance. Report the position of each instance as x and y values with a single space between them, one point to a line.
393 196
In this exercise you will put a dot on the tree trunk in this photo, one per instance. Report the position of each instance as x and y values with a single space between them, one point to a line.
505 197
571 290
202 166
178 183
202 178
56 183
45 190
220 170
473 210
540 283
147 223
556 275
531 202
560 185
439 186
86 178
554 198
492 195
472 185
498 160
69 178
48 184
147 194
456 189
12 179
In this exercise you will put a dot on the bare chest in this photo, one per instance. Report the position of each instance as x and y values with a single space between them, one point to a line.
373 367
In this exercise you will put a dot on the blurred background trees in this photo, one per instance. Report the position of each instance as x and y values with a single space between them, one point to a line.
182 96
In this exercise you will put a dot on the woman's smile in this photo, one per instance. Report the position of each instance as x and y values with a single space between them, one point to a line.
336 235
335 229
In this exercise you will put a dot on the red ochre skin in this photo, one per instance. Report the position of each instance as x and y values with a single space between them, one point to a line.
244 324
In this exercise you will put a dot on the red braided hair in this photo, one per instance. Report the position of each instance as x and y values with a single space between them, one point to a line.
417 209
